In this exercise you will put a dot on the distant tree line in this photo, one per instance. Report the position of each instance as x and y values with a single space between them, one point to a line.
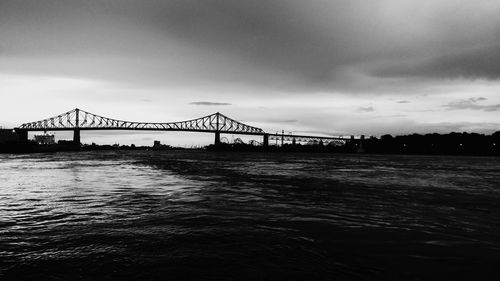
446 144
449 144
433 144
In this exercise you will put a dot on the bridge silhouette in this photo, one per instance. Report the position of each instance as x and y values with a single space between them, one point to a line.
78 120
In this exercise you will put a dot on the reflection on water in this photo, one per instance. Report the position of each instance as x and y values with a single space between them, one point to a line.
237 216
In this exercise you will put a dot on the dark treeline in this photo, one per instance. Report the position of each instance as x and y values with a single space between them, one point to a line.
434 144
449 144
31 146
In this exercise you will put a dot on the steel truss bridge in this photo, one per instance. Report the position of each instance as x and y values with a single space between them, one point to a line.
78 120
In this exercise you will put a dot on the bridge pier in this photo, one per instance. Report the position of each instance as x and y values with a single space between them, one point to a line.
265 140
361 149
76 137
217 138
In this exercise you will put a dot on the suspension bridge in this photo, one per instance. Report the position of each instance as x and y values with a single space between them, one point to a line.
78 120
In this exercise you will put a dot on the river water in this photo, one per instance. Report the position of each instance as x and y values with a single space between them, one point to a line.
194 215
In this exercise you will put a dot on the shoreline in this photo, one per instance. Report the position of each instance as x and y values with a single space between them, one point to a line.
30 147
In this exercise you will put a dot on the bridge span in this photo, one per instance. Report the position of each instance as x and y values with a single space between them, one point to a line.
78 120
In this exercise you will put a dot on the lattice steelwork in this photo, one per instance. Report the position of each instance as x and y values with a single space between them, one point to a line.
83 120
338 141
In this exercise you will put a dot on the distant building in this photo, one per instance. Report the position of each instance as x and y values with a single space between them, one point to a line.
8 135
158 146
45 139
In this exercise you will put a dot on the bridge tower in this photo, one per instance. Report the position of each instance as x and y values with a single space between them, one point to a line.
217 132
265 141
361 149
76 132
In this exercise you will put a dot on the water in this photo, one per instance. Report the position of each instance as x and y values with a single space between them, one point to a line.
232 216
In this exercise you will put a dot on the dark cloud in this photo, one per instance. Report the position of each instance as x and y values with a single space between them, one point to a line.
470 64
274 41
293 45
403 101
366 109
209 103
471 104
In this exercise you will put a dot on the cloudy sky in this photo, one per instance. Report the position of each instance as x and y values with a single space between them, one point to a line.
317 67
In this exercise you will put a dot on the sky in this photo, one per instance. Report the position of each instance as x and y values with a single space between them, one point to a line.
325 67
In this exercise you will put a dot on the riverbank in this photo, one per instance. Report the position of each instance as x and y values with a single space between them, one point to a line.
32 147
